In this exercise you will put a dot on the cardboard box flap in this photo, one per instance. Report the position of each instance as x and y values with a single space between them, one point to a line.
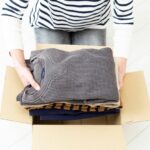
134 95
78 137
10 108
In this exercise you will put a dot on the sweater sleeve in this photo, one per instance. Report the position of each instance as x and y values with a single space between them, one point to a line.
12 12
123 21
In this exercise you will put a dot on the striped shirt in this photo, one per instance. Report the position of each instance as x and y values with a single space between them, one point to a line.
73 15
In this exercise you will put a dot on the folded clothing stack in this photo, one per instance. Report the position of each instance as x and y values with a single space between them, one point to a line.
73 85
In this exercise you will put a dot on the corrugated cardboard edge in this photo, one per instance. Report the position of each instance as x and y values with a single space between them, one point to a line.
67 47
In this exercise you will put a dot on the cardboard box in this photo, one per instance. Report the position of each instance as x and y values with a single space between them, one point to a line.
103 133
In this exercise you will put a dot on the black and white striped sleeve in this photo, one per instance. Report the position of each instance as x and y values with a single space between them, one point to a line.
14 8
11 14
123 22
123 12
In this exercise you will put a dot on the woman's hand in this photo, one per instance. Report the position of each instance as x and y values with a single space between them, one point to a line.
121 66
26 77
22 69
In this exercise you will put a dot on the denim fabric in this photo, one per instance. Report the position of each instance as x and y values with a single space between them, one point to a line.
84 76
84 37
55 114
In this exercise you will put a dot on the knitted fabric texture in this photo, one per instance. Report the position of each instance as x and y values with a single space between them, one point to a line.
84 76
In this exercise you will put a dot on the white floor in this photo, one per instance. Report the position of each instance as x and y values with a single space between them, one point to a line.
16 136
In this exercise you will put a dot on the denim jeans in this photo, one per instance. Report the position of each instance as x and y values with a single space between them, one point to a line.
84 37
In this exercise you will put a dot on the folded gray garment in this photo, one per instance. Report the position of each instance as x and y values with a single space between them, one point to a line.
81 76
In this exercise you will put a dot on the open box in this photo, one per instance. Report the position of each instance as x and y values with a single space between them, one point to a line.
103 133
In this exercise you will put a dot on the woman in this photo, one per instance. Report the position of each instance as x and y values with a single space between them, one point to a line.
68 22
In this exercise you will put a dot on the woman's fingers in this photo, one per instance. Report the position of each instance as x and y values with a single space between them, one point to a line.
32 81
27 78
121 66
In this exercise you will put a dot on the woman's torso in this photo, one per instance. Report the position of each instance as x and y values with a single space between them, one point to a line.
70 14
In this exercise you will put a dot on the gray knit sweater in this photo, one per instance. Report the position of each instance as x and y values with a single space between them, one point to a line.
80 76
